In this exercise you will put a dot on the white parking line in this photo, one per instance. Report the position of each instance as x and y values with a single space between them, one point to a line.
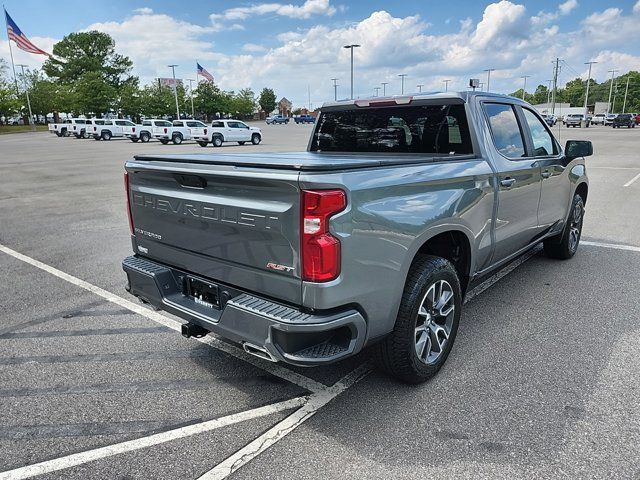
285 427
615 246
631 181
272 368
144 442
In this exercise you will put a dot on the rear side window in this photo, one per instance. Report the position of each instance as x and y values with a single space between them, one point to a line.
431 129
178 124
162 123
217 124
543 143
507 136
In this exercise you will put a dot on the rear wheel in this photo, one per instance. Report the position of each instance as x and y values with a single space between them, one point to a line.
203 144
255 139
145 137
106 135
217 141
177 139
134 139
427 322
566 244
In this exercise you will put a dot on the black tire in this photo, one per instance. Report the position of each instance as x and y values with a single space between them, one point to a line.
96 137
164 141
134 139
177 139
77 135
106 135
217 141
241 143
145 137
256 138
565 245
397 353
203 144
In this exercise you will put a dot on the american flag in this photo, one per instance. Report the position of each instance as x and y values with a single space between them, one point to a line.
20 38
204 73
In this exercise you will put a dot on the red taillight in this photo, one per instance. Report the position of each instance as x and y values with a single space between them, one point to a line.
95 128
133 129
126 188
320 251
205 131
165 130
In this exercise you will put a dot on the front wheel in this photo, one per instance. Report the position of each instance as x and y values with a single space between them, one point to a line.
566 244
427 322
255 139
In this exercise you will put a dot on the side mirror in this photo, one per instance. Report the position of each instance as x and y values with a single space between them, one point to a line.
578 148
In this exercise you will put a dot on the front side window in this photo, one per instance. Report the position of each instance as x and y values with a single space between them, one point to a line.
162 123
505 130
234 125
543 143
439 129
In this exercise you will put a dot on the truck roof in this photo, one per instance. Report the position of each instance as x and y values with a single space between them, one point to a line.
406 99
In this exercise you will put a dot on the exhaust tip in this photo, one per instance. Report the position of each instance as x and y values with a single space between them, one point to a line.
257 351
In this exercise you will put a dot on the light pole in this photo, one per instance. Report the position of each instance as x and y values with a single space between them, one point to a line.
612 72
402 75
420 85
586 94
377 89
446 85
384 88
524 88
488 70
335 89
175 88
26 90
626 90
549 93
193 110
351 47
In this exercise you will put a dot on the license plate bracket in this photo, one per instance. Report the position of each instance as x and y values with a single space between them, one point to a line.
203 293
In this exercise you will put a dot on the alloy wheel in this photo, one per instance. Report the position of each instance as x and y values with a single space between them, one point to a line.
434 321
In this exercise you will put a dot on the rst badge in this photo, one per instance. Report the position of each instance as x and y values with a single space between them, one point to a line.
279 268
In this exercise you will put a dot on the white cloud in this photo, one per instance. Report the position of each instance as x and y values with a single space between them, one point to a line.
308 9
253 48
30 59
143 11
567 7
636 7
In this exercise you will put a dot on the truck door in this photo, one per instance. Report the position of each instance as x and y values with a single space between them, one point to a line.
231 131
555 191
518 178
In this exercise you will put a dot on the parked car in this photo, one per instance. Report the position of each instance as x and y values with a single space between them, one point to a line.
637 117
106 129
277 119
144 131
550 119
575 120
228 131
196 127
304 119
70 126
608 119
175 132
624 120
598 119
290 255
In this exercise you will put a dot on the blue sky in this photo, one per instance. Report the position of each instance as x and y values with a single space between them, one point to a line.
295 45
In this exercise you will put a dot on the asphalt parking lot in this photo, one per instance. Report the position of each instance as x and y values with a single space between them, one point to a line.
542 381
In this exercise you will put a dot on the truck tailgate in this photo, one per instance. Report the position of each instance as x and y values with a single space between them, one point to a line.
236 226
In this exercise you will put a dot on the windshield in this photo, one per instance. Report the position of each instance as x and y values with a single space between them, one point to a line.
434 129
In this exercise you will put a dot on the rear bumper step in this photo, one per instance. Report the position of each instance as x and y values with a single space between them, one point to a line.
266 329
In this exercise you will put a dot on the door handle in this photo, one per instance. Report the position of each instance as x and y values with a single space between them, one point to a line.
508 182
545 174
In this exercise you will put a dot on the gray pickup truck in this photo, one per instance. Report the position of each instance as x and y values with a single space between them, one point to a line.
399 206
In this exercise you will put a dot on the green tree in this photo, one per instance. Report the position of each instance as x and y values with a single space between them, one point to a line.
210 101
87 52
130 100
267 100
243 103
94 95
9 103
157 100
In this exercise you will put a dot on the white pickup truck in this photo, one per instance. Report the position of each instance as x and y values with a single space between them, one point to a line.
175 132
70 126
106 129
228 131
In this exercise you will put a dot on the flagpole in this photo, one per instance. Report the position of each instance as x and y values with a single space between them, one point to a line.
6 25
